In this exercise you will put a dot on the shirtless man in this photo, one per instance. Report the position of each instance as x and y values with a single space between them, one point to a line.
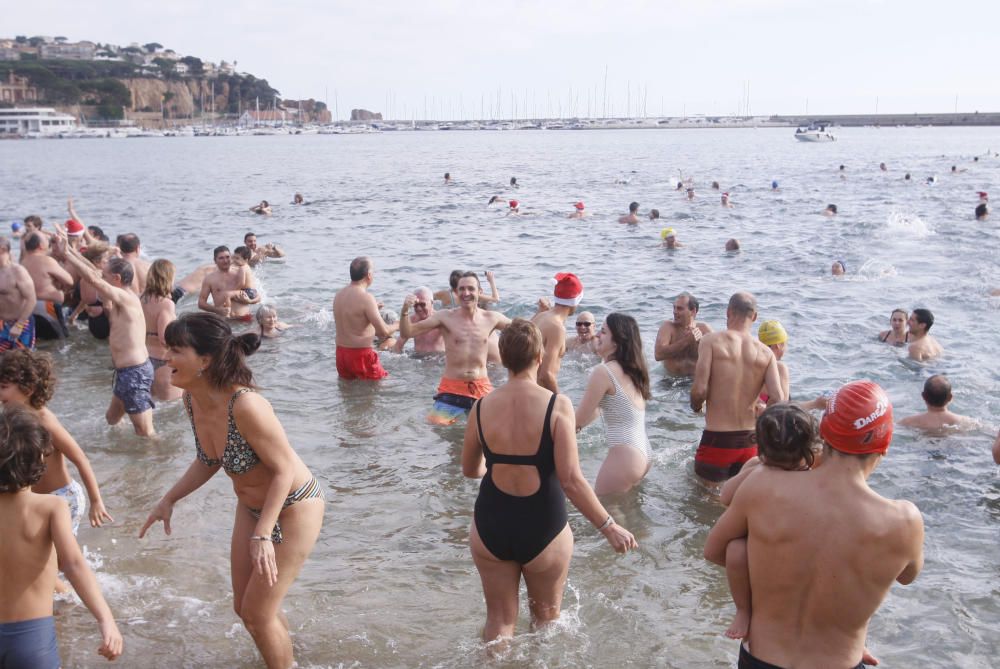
423 308
725 201
225 285
17 301
823 547
449 297
358 321
551 323
133 371
466 330
585 340
632 217
922 345
51 282
731 369
129 246
937 396
677 341
261 253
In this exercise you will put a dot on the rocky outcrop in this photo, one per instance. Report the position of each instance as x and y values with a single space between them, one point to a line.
179 98
365 115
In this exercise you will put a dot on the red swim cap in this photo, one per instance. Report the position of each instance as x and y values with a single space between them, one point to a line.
858 419
513 204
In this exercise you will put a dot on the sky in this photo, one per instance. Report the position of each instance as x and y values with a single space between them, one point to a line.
448 59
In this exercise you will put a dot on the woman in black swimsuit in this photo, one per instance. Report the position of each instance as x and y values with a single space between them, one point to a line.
897 334
280 504
521 439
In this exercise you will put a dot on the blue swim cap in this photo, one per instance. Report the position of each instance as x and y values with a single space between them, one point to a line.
774 184
15 226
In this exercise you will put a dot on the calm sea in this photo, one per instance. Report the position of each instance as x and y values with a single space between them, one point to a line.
391 583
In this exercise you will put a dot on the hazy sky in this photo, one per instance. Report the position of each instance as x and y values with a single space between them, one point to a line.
458 58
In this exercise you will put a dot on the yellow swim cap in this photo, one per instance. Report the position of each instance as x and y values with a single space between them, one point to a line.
667 232
771 333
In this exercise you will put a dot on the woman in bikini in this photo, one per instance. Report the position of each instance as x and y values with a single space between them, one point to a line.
280 505
619 388
159 312
520 441
897 334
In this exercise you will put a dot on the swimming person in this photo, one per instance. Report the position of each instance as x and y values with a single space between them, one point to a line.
897 334
937 397
280 504
270 326
159 311
37 538
521 441
619 386
773 335
922 346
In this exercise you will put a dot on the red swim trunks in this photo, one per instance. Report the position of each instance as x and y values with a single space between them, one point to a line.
359 363
721 455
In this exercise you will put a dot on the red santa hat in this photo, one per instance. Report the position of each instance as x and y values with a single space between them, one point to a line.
74 228
568 291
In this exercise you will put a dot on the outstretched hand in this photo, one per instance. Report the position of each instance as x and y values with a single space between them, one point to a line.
619 538
162 511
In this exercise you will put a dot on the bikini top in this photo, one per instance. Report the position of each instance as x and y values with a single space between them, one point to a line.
543 459
237 457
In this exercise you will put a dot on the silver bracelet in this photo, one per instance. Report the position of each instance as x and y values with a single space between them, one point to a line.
607 523
259 538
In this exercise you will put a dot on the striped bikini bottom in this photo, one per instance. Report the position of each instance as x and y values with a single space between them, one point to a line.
307 490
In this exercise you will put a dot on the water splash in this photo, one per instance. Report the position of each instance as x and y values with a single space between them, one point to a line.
905 224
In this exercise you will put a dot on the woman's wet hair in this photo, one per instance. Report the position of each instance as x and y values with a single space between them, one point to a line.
24 443
31 372
628 350
210 335
160 279
787 437
520 345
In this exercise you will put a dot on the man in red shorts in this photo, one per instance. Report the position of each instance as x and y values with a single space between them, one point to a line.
358 322
732 367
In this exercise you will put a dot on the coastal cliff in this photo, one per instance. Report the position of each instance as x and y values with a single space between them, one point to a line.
179 98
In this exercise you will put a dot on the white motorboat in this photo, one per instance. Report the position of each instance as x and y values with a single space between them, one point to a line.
815 133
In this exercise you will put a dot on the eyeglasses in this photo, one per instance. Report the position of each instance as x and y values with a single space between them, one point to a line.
584 324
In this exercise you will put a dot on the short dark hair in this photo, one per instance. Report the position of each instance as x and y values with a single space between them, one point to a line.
520 345
832 207
31 372
360 267
982 210
466 275
33 220
786 436
243 252
209 334
937 391
97 232
33 242
219 249
129 242
248 236
633 207
743 304
693 304
924 317
24 443
123 268
655 213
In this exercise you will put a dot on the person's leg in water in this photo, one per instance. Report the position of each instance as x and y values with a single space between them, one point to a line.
738 575
501 580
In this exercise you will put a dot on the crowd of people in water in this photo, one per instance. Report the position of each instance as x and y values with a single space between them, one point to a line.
791 484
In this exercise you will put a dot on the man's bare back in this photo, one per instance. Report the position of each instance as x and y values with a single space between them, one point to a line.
355 312
732 367
552 325
48 276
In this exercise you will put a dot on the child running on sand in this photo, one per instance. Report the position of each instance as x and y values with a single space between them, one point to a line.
787 438
28 381
32 526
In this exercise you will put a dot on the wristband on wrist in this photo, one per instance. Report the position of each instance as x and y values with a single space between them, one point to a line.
258 537
607 523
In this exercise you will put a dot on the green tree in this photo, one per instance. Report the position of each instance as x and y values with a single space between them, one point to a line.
195 66
152 47
167 66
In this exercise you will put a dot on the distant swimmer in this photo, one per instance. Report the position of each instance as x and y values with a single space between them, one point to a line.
931 180
466 330
715 185
513 182
897 334
725 201
498 200
669 237
358 321
732 368
585 340
816 612
259 254
843 172
774 186
680 186
906 177
838 268
631 217
566 297
937 396
982 211
449 297
677 340
423 308
732 245
298 199
447 178
955 170
263 208
579 211
654 214
882 167
513 208
831 210
690 193
922 345
983 196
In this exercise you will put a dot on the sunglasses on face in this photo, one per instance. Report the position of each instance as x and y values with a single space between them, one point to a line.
584 324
